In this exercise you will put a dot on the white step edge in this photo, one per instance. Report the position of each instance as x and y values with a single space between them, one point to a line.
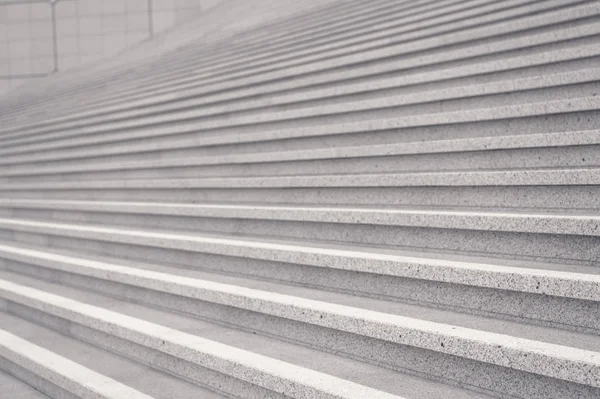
70 135
555 361
581 104
548 282
268 373
523 222
68 375
518 177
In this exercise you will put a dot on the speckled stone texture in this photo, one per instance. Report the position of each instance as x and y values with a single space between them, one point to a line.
56 376
348 322
261 371
336 200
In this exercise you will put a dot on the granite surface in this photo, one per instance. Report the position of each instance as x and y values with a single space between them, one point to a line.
358 200
260 370
70 137
70 376
580 224
582 104
573 285
157 102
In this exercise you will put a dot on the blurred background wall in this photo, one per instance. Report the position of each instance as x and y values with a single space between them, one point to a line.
40 37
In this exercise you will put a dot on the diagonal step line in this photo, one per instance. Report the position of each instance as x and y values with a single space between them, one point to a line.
566 284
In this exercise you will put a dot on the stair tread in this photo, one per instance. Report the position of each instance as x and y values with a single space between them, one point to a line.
562 176
521 266
143 378
583 103
335 246
258 117
524 141
359 372
517 220
306 94
11 388
58 370
416 312
323 199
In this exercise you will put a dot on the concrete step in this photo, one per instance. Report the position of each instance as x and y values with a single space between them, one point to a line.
109 73
408 343
62 339
59 264
55 375
318 23
205 353
329 66
543 150
582 83
564 115
185 99
521 289
354 200
393 59
12 387
503 28
281 69
551 237
544 189
435 19
454 20
317 20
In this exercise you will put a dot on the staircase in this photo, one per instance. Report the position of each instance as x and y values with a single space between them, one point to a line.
362 199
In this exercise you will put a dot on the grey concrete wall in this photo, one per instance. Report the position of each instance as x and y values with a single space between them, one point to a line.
86 30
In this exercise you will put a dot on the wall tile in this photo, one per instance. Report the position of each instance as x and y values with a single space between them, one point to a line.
136 5
87 30
40 11
19 48
41 47
42 65
66 9
67 26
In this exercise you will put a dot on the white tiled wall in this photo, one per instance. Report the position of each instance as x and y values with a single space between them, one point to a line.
86 30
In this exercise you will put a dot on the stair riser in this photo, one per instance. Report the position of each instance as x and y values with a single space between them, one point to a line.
569 156
178 367
403 35
544 47
181 62
251 124
480 376
489 49
363 68
315 98
488 197
420 105
578 315
144 70
555 248
419 25
161 80
217 143
228 62
431 81
48 388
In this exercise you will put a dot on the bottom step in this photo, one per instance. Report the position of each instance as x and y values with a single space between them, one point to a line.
124 372
13 388
405 386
